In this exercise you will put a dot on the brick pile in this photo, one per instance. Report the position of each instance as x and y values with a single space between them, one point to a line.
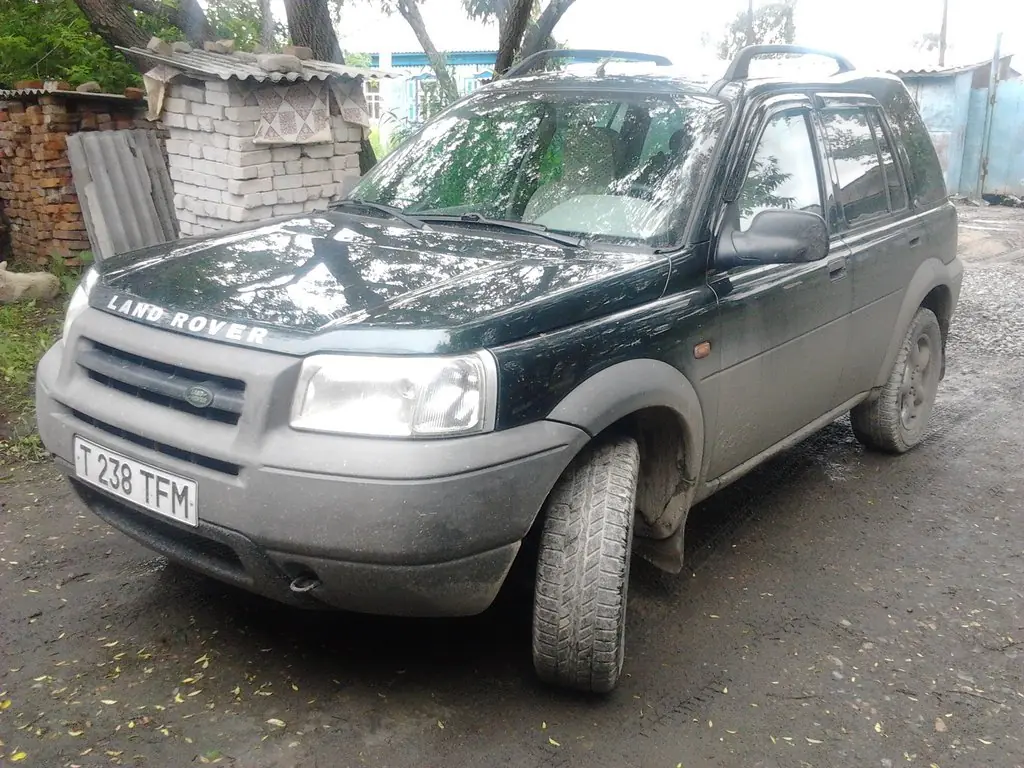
222 178
36 190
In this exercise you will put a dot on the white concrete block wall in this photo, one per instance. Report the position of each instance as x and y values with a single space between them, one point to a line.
222 178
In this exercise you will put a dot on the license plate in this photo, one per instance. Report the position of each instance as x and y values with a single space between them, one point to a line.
154 489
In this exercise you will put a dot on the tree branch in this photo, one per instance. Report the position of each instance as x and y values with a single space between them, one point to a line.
539 33
188 16
510 34
410 11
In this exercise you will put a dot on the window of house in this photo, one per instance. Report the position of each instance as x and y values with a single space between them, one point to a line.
371 92
783 173
863 192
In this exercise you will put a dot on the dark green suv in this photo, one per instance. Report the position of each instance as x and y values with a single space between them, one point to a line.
565 311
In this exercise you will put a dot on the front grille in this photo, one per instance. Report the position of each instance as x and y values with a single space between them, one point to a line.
164 384
216 465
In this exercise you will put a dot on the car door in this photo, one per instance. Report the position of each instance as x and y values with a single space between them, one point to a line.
784 329
875 222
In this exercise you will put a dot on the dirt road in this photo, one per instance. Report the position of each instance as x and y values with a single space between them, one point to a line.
839 609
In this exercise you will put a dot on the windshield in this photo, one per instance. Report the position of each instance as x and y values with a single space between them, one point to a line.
621 168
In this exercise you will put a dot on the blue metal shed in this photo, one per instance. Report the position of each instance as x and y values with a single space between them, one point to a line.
953 103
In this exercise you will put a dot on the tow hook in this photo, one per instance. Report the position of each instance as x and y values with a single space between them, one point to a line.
303 584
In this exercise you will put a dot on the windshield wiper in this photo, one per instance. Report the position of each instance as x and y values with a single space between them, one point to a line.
534 229
390 210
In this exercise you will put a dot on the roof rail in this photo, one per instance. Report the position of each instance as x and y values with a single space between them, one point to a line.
584 55
739 67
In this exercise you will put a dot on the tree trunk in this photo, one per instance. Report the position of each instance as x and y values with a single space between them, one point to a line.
410 11
510 34
114 21
266 25
309 24
188 16
539 34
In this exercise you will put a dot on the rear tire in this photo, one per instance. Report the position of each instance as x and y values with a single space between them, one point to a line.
896 421
579 610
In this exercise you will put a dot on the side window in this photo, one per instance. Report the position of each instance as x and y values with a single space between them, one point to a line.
897 192
862 188
783 172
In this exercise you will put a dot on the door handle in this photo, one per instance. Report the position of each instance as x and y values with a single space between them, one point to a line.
837 267
914 241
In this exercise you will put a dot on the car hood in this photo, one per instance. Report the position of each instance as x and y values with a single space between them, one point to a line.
360 284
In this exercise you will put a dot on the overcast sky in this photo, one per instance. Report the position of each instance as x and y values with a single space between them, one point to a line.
873 33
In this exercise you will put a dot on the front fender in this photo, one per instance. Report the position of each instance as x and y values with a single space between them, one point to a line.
626 388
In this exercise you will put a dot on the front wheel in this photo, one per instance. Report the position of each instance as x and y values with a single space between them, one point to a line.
579 609
896 421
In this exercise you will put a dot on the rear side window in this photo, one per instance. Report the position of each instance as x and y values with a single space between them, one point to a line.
897 192
860 150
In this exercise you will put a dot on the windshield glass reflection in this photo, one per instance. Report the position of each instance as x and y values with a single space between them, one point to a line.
622 168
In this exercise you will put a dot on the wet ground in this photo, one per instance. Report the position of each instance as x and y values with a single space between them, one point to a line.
839 609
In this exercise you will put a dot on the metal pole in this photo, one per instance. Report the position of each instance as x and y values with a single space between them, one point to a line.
942 33
750 23
990 106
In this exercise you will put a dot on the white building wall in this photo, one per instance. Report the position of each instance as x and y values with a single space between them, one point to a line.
222 178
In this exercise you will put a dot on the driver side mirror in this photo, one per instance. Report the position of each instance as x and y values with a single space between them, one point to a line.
775 236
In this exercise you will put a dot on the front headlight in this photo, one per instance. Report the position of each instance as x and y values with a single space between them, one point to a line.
396 396
79 300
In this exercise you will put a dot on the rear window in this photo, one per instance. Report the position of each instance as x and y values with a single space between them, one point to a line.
861 183
925 179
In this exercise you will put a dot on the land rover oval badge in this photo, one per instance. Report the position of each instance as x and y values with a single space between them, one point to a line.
198 397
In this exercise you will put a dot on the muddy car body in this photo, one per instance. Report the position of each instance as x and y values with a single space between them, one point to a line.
564 312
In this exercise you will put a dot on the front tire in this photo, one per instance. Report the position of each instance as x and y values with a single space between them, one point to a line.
896 421
579 609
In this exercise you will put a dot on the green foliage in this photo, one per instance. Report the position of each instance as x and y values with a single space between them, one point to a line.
355 59
773 24
243 21
51 40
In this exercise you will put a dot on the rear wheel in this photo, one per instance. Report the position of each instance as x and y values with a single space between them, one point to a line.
897 420
579 610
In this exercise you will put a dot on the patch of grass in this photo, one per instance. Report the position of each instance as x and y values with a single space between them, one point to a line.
27 330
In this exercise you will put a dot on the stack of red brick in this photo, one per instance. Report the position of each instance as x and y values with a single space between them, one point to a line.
36 189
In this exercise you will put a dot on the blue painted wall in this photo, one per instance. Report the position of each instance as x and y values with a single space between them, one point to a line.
954 113
1005 174
944 102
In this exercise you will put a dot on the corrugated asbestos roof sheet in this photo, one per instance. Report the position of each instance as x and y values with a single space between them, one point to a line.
225 66
936 70
22 92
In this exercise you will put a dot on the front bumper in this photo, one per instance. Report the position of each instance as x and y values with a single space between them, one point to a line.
416 528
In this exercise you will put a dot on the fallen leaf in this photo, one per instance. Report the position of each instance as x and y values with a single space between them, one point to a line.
178 699
5 704
553 743
878 727
111 645
986 743
108 702
440 725
295 687
18 757
812 741
940 725
75 733
276 722
543 726
773 739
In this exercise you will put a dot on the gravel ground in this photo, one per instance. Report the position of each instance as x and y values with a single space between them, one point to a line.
839 609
